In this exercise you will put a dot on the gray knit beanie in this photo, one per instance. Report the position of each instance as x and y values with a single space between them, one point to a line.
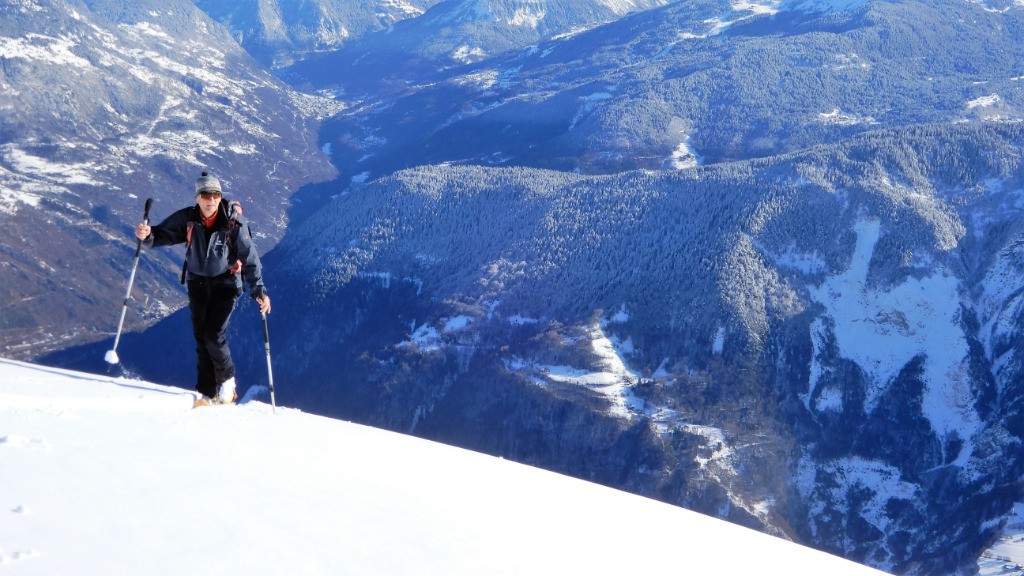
207 183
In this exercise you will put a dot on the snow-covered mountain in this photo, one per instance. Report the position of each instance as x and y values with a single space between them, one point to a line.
850 311
103 104
279 32
113 476
774 279
825 346
450 35
688 83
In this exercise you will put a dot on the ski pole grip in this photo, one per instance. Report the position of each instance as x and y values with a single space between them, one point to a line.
145 214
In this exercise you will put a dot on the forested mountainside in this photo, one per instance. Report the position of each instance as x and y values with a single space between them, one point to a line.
686 84
824 345
448 36
851 311
757 259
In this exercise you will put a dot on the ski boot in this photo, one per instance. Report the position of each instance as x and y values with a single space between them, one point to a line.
226 394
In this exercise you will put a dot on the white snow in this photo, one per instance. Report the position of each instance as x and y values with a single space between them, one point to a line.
429 339
684 156
26 5
851 61
718 346
400 6
485 79
839 118
528 17
183 146
40 48
9 200
999 7
918 317
998 308
425 337
741 10
243 149
112 476
737 11
755 6
590 103
25 163
518 320
610 378
150 29
831 398
457 323
627 6
1006 555
467 54
990 100
620 316
878 484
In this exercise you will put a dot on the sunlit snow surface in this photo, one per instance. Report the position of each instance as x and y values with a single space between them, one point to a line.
104 476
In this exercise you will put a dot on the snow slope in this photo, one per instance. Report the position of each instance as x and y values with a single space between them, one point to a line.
113 476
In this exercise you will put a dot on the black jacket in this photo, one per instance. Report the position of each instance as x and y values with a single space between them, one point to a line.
212 252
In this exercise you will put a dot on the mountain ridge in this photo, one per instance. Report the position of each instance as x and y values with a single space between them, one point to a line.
773 278
503 278
105 104
670 87
680 342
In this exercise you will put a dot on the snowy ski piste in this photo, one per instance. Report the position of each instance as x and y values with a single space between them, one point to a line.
105 476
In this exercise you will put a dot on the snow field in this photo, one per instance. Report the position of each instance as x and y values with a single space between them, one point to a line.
113 476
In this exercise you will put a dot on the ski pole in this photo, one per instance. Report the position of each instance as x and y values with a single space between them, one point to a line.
270 370
111 356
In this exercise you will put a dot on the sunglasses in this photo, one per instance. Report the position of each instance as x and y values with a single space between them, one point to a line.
209 195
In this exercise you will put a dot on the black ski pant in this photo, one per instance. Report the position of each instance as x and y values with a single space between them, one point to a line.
211 301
